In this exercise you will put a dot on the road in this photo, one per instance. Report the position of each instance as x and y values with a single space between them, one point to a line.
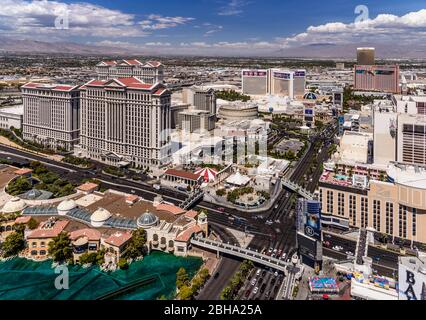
385 262
280 236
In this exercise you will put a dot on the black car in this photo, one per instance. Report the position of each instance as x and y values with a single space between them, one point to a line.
273 281
216 275
262 288
263 273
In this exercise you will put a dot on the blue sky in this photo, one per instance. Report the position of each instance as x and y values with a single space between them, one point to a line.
212 24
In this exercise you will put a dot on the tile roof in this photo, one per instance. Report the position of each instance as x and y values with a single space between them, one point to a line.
90 234
88 186
41 232
183 174
170 208
188 233
23 171
118 239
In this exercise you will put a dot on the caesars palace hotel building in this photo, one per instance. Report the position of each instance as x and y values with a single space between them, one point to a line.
122 122
51 114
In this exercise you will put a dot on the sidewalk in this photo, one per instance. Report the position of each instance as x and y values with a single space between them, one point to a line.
8 143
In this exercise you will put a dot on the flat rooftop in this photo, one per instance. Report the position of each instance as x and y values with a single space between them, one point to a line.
16 110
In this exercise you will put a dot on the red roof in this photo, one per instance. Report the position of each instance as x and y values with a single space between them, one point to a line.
56 87
188 233
134 83
170 208
191 214
133 62
154 63
118 239
182 174
22 219
160 91
88 186
110 63
90 234
41 232
23 171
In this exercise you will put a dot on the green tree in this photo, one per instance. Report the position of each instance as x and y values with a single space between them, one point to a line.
122 264
32 224
136 246
181 278
185 293
226 293
13 244
19 186
60 248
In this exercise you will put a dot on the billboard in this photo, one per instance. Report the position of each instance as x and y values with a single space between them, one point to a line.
300 73
255 73
282 75
411 283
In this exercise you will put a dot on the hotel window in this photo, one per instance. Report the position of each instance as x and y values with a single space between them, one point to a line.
414 219
330 202
402 221
364 212
352 209
376 215
341 204
389 218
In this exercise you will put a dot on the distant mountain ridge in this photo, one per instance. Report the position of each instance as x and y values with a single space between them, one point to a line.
315 50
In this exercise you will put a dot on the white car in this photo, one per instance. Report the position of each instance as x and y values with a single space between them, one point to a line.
349 253
283 256
255 290
253 282
258 272
336 248
275 250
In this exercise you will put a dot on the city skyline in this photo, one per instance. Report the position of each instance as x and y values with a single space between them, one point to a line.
214 27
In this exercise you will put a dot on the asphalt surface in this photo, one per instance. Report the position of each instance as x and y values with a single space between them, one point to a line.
279 235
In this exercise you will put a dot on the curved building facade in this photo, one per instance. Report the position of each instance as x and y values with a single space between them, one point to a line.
238 113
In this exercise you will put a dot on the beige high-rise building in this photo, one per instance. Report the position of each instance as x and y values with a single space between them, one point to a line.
395 206
125 121
150 72
51 114
366 56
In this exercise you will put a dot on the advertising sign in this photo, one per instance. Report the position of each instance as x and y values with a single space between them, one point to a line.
300 73
254 73
411 284
282 75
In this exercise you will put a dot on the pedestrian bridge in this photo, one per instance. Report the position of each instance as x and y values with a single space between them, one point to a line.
192 199
241 252
298 189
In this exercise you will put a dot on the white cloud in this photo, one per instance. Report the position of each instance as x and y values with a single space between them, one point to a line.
383 28
36 18
157 22
233 8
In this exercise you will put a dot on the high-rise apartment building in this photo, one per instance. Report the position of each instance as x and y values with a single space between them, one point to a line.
51 114
150 72
274 81
366 56
125 121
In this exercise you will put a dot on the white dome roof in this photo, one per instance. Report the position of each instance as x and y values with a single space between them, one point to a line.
100 215
67 205
14 205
